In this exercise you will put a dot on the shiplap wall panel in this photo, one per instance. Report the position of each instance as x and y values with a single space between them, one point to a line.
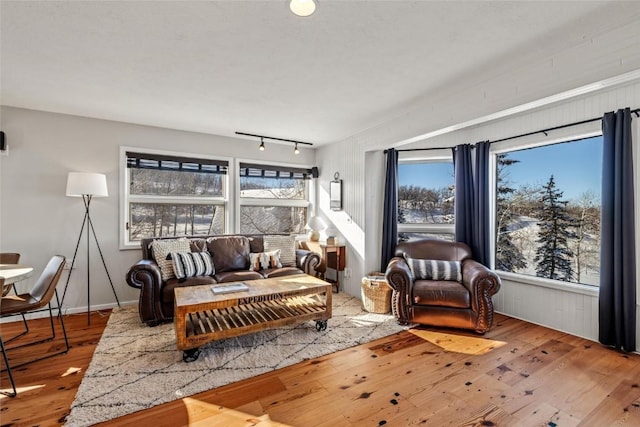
567 311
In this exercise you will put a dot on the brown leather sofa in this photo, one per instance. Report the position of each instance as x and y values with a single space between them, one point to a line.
466 304
230 256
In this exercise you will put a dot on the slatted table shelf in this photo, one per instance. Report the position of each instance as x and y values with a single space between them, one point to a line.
200 316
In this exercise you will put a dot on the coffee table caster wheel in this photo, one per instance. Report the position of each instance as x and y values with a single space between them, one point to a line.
191 355
321 325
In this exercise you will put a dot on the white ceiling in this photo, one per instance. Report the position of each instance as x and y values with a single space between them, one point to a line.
252 66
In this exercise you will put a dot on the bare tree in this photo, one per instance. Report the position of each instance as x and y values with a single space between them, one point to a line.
586 243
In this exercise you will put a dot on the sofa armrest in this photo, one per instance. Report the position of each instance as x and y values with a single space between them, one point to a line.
145 275
482 283
307 261
399 277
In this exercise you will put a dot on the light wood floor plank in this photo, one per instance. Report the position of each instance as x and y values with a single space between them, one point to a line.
517 374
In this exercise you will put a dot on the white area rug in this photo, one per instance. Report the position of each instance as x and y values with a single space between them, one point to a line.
136 367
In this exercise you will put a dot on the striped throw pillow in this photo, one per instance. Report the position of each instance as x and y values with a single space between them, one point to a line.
431 269
191 264
264 260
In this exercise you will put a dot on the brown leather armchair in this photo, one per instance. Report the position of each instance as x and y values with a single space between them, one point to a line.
466 304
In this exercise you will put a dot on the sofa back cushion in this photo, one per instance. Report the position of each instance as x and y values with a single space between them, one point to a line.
433 249
229 253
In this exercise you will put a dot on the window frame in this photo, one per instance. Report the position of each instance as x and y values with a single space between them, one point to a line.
126 198
507 147
432 156
257 201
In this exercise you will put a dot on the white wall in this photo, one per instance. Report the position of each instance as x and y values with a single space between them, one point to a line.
38 220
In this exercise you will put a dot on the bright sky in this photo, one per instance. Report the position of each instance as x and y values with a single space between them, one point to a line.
576 168
428 175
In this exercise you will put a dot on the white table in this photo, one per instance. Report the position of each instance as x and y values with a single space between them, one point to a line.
14 273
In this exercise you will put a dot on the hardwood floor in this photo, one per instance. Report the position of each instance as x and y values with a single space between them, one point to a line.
518 374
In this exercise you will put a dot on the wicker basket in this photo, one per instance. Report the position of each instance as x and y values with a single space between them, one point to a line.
376 293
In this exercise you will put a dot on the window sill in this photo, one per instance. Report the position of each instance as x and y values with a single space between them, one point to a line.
548 283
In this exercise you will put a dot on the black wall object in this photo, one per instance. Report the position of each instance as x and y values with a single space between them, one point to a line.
314 170
2 143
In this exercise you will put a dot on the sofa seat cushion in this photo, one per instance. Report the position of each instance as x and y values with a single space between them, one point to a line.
237 276
171 284
282 271
443 293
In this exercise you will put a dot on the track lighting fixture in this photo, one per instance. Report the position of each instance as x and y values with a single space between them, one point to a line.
296 150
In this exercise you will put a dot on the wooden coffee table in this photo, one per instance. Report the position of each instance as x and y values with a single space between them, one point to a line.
200 316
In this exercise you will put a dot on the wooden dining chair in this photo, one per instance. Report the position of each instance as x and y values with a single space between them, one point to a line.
36 300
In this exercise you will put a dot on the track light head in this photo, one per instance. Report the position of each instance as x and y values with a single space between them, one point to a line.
295 150
261 144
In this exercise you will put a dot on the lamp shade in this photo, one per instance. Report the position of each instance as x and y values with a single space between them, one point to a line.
316 223
83 183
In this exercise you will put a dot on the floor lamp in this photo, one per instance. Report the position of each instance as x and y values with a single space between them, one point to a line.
87 186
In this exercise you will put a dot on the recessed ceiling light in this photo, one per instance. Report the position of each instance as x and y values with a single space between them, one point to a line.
302 7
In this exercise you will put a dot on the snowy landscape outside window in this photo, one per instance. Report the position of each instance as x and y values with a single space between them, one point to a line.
174 196
548 202
426 199
273 199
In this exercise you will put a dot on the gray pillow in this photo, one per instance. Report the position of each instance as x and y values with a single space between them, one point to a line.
430 269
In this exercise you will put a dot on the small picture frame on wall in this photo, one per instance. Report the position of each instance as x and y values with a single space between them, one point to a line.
335 193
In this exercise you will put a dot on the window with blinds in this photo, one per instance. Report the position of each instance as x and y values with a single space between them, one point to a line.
172 195
273 199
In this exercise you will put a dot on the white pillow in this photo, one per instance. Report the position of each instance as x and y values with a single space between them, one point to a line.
287 246
162 248
264 260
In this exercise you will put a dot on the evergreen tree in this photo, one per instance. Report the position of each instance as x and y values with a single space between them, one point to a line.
508 256
553 256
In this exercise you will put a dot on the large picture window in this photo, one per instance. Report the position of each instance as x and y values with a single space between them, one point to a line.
173 195
273 199
548 202
426 199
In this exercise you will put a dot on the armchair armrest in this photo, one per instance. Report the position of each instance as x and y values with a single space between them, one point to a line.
399 277
482 283
145 275
307 261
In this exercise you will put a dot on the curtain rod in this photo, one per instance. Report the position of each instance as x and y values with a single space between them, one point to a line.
636 112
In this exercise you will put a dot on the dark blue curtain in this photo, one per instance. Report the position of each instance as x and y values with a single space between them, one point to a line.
464 198
480 243
617 302
390 210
